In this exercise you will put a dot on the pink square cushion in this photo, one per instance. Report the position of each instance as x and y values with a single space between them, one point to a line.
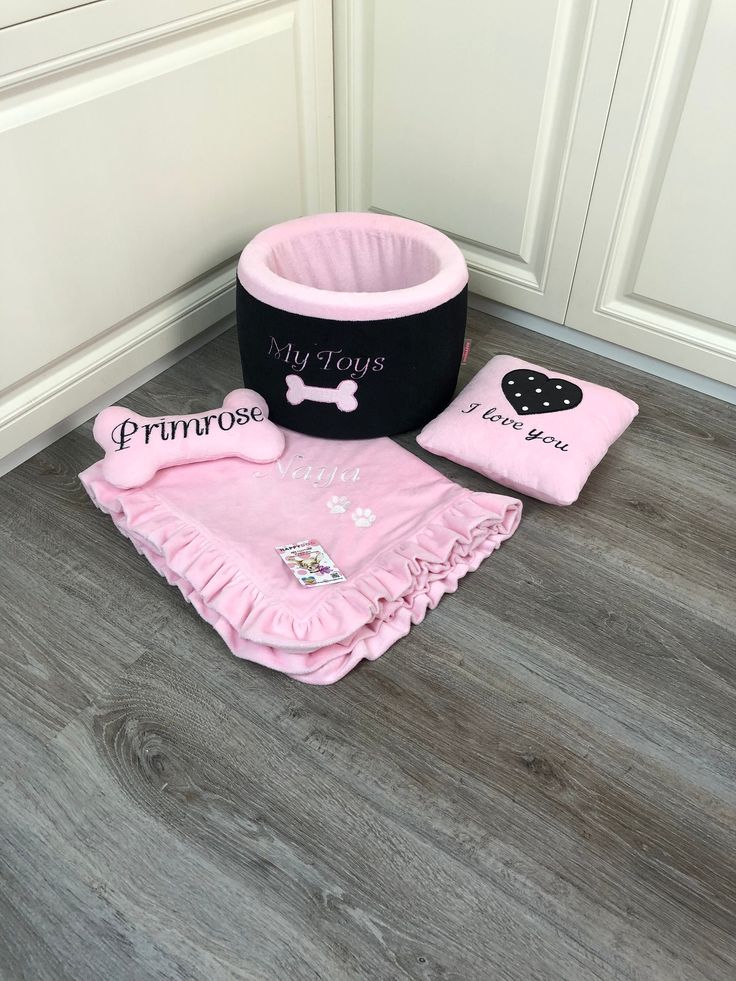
526 427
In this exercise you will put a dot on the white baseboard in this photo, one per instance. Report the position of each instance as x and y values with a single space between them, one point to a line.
69 392
49 436
689 379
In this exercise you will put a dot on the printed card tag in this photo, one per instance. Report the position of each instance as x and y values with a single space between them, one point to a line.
310 564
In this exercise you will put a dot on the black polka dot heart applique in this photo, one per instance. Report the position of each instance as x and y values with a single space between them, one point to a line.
531 392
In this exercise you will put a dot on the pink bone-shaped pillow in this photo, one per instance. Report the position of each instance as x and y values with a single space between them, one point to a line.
136 447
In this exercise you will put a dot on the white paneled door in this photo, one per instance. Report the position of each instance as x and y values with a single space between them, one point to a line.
484 119
658 259
581 152
141 146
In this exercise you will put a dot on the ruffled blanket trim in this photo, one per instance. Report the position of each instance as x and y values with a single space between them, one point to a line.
402 582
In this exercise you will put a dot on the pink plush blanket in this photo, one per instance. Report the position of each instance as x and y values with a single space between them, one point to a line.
399 533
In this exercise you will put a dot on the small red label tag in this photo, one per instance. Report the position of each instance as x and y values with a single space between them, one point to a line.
466 352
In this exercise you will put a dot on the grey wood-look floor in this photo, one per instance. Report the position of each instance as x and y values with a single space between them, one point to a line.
538 783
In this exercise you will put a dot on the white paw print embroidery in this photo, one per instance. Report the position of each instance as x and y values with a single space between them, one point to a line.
363 517
338 505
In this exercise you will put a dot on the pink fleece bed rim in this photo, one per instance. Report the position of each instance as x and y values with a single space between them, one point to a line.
443 271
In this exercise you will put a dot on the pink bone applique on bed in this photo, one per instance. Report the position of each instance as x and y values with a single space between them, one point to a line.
136 447
343 396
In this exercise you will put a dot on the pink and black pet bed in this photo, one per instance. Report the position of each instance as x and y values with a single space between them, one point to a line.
351 325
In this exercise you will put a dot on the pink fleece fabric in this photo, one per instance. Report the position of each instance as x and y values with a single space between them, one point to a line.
352 266
401 534
537 431
136 447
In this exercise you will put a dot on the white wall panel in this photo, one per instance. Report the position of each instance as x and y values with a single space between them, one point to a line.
656 270
483 119
139 166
